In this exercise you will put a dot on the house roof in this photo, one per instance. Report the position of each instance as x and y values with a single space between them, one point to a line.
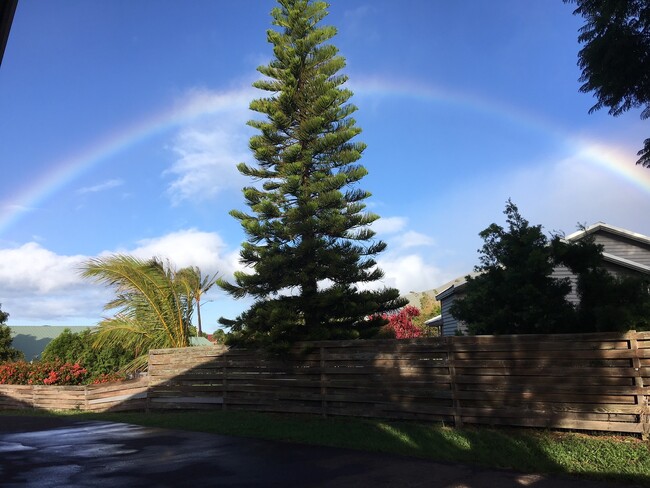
437 320
45 331
200 341
602 226
454 285
457 284
627 263
617 231
32 339
450 291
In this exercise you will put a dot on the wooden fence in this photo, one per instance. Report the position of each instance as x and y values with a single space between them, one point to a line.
127 395
598 382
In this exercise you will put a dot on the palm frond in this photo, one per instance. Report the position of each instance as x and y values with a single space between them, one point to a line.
153 307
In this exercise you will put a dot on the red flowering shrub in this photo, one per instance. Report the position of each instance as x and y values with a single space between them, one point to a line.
46 373
401 323
107 378
15 373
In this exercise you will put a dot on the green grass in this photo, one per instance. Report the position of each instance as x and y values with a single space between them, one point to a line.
624 459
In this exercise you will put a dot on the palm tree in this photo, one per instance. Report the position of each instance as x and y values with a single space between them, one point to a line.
153 310
196 286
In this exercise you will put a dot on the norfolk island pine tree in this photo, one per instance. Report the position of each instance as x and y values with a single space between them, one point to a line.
308 243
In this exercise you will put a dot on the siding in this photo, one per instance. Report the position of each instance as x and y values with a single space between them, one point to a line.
617 245
621 271
624 247
449 323
562 272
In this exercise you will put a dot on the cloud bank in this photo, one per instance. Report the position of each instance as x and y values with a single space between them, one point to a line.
209 147
39 286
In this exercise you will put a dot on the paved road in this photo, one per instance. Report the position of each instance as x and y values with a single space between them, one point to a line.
51 452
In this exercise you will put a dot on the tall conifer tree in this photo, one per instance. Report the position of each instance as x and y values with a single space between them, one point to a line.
308 242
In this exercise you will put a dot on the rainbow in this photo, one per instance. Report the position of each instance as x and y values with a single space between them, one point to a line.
66 170
201 103
616 160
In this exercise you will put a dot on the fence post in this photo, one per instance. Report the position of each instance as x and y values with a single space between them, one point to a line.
323 383
224 383
147 403
641 399
458 419
85 398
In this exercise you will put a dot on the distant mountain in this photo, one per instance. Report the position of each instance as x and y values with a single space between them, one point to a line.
414 297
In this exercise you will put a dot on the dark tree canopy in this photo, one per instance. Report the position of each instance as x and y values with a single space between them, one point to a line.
607 302
308 243
514 292
7 352
615 59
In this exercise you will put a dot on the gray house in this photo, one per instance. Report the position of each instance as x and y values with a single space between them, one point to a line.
625 253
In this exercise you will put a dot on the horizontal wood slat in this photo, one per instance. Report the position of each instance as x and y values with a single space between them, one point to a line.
576 381
571 381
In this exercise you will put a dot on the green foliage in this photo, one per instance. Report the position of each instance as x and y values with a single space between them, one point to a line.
607 302
7 352
429 308
514 292
308 242
219 336
196 285
517 294
154 305
615 59
79 347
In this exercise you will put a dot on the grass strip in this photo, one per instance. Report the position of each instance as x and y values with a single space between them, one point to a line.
614 458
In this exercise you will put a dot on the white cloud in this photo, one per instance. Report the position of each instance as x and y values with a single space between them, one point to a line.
558 194
389 225
404 269
578 190
32 267
210 146
39 286
415 239
410 272
399 235
107 185
191 248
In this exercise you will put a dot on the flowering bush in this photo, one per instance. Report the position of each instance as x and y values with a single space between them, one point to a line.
46 373
107 378
15 373
401 323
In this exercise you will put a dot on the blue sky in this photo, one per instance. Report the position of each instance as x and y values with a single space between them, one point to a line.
122 123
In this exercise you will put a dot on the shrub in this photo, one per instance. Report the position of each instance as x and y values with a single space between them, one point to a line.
107 378
401 323
45 373
70 347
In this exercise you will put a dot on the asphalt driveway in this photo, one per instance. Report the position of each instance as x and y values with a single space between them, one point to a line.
52 452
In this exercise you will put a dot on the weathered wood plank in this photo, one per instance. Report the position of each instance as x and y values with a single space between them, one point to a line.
562 381
634 428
